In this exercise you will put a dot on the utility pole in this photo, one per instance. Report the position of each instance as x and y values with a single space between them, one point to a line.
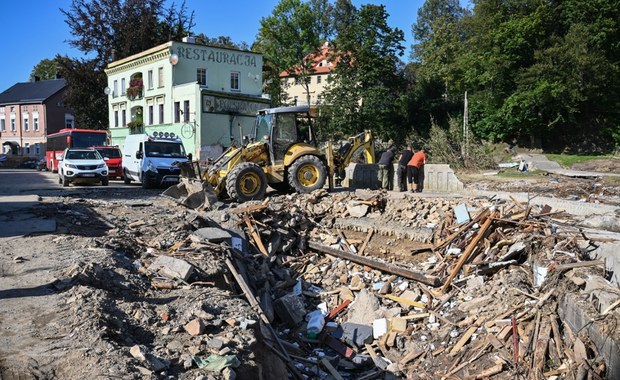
465 128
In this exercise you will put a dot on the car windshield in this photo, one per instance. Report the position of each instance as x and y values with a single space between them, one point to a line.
110 152
83 155
164 149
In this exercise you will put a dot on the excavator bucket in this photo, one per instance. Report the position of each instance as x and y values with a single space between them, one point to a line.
191 191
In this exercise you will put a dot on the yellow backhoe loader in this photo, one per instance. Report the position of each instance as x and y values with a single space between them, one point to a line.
282 152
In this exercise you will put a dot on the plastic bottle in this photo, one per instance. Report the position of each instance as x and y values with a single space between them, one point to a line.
315 324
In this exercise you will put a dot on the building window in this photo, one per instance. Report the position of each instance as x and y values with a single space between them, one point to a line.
177 112
116 118
35 123
234 81
160 77
295 99
123 86
13 123
151 114
26 123
186 111
27 148
37 149
161 113
318 79
115 91
35 108
1 109
2 125
124 118
69 121
201 76
149 77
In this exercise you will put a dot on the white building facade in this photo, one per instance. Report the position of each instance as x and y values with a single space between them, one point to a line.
206 95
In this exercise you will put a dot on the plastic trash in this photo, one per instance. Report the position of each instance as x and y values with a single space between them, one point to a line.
316 321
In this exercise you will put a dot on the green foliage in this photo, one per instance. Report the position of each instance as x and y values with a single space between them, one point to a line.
46 69
108 30
568 160
289 38
366 90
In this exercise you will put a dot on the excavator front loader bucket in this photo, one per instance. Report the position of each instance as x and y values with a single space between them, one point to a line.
191 191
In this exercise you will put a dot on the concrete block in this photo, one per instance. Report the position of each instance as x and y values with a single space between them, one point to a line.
437 177
354 334
290 309
573 314
379 328
171 267
212 234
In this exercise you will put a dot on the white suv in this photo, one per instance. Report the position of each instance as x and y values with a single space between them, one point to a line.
82 165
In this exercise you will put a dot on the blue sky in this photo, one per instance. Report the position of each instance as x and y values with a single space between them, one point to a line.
35 29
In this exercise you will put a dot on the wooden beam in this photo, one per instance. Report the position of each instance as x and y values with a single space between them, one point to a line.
409 274
470 248
255 236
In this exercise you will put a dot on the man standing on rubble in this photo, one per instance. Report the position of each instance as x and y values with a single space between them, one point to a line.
386 169
415 168
401 173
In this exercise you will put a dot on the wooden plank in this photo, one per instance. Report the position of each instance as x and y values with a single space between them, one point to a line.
249 209
330 368
470 248
406 301
411 355
581 264
366 241
540 350
465 338
409 274
556 335
255 236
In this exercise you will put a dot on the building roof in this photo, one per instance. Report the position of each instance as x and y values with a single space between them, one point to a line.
320 63
31 92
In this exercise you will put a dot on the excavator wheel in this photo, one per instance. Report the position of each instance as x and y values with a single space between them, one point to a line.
246 182
307 174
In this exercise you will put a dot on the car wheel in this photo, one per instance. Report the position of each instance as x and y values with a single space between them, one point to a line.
65 181
145 181
126 178
59 179
105 182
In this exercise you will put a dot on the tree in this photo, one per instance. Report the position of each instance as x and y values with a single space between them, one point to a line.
46 69
221 41
108 30
439 35
289 39
366 90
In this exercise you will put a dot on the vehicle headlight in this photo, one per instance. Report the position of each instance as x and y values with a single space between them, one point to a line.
151 167
100 166
71 166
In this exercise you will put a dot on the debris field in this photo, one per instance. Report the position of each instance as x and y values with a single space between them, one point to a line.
342 285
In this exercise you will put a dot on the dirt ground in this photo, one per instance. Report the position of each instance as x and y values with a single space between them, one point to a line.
77 303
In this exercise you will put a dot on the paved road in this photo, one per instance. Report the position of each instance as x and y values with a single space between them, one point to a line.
21 189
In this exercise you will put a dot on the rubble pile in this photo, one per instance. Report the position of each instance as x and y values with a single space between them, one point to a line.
483 303
333 286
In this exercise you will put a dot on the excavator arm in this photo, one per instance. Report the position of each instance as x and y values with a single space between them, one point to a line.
338 160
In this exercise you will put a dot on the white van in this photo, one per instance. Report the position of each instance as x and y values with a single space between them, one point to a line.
150 159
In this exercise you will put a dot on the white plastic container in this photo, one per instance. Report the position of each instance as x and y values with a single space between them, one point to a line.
316 321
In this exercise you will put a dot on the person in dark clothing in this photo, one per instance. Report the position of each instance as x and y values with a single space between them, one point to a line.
401 173
386 169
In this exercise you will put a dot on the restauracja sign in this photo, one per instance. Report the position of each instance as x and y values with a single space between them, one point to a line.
211 55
